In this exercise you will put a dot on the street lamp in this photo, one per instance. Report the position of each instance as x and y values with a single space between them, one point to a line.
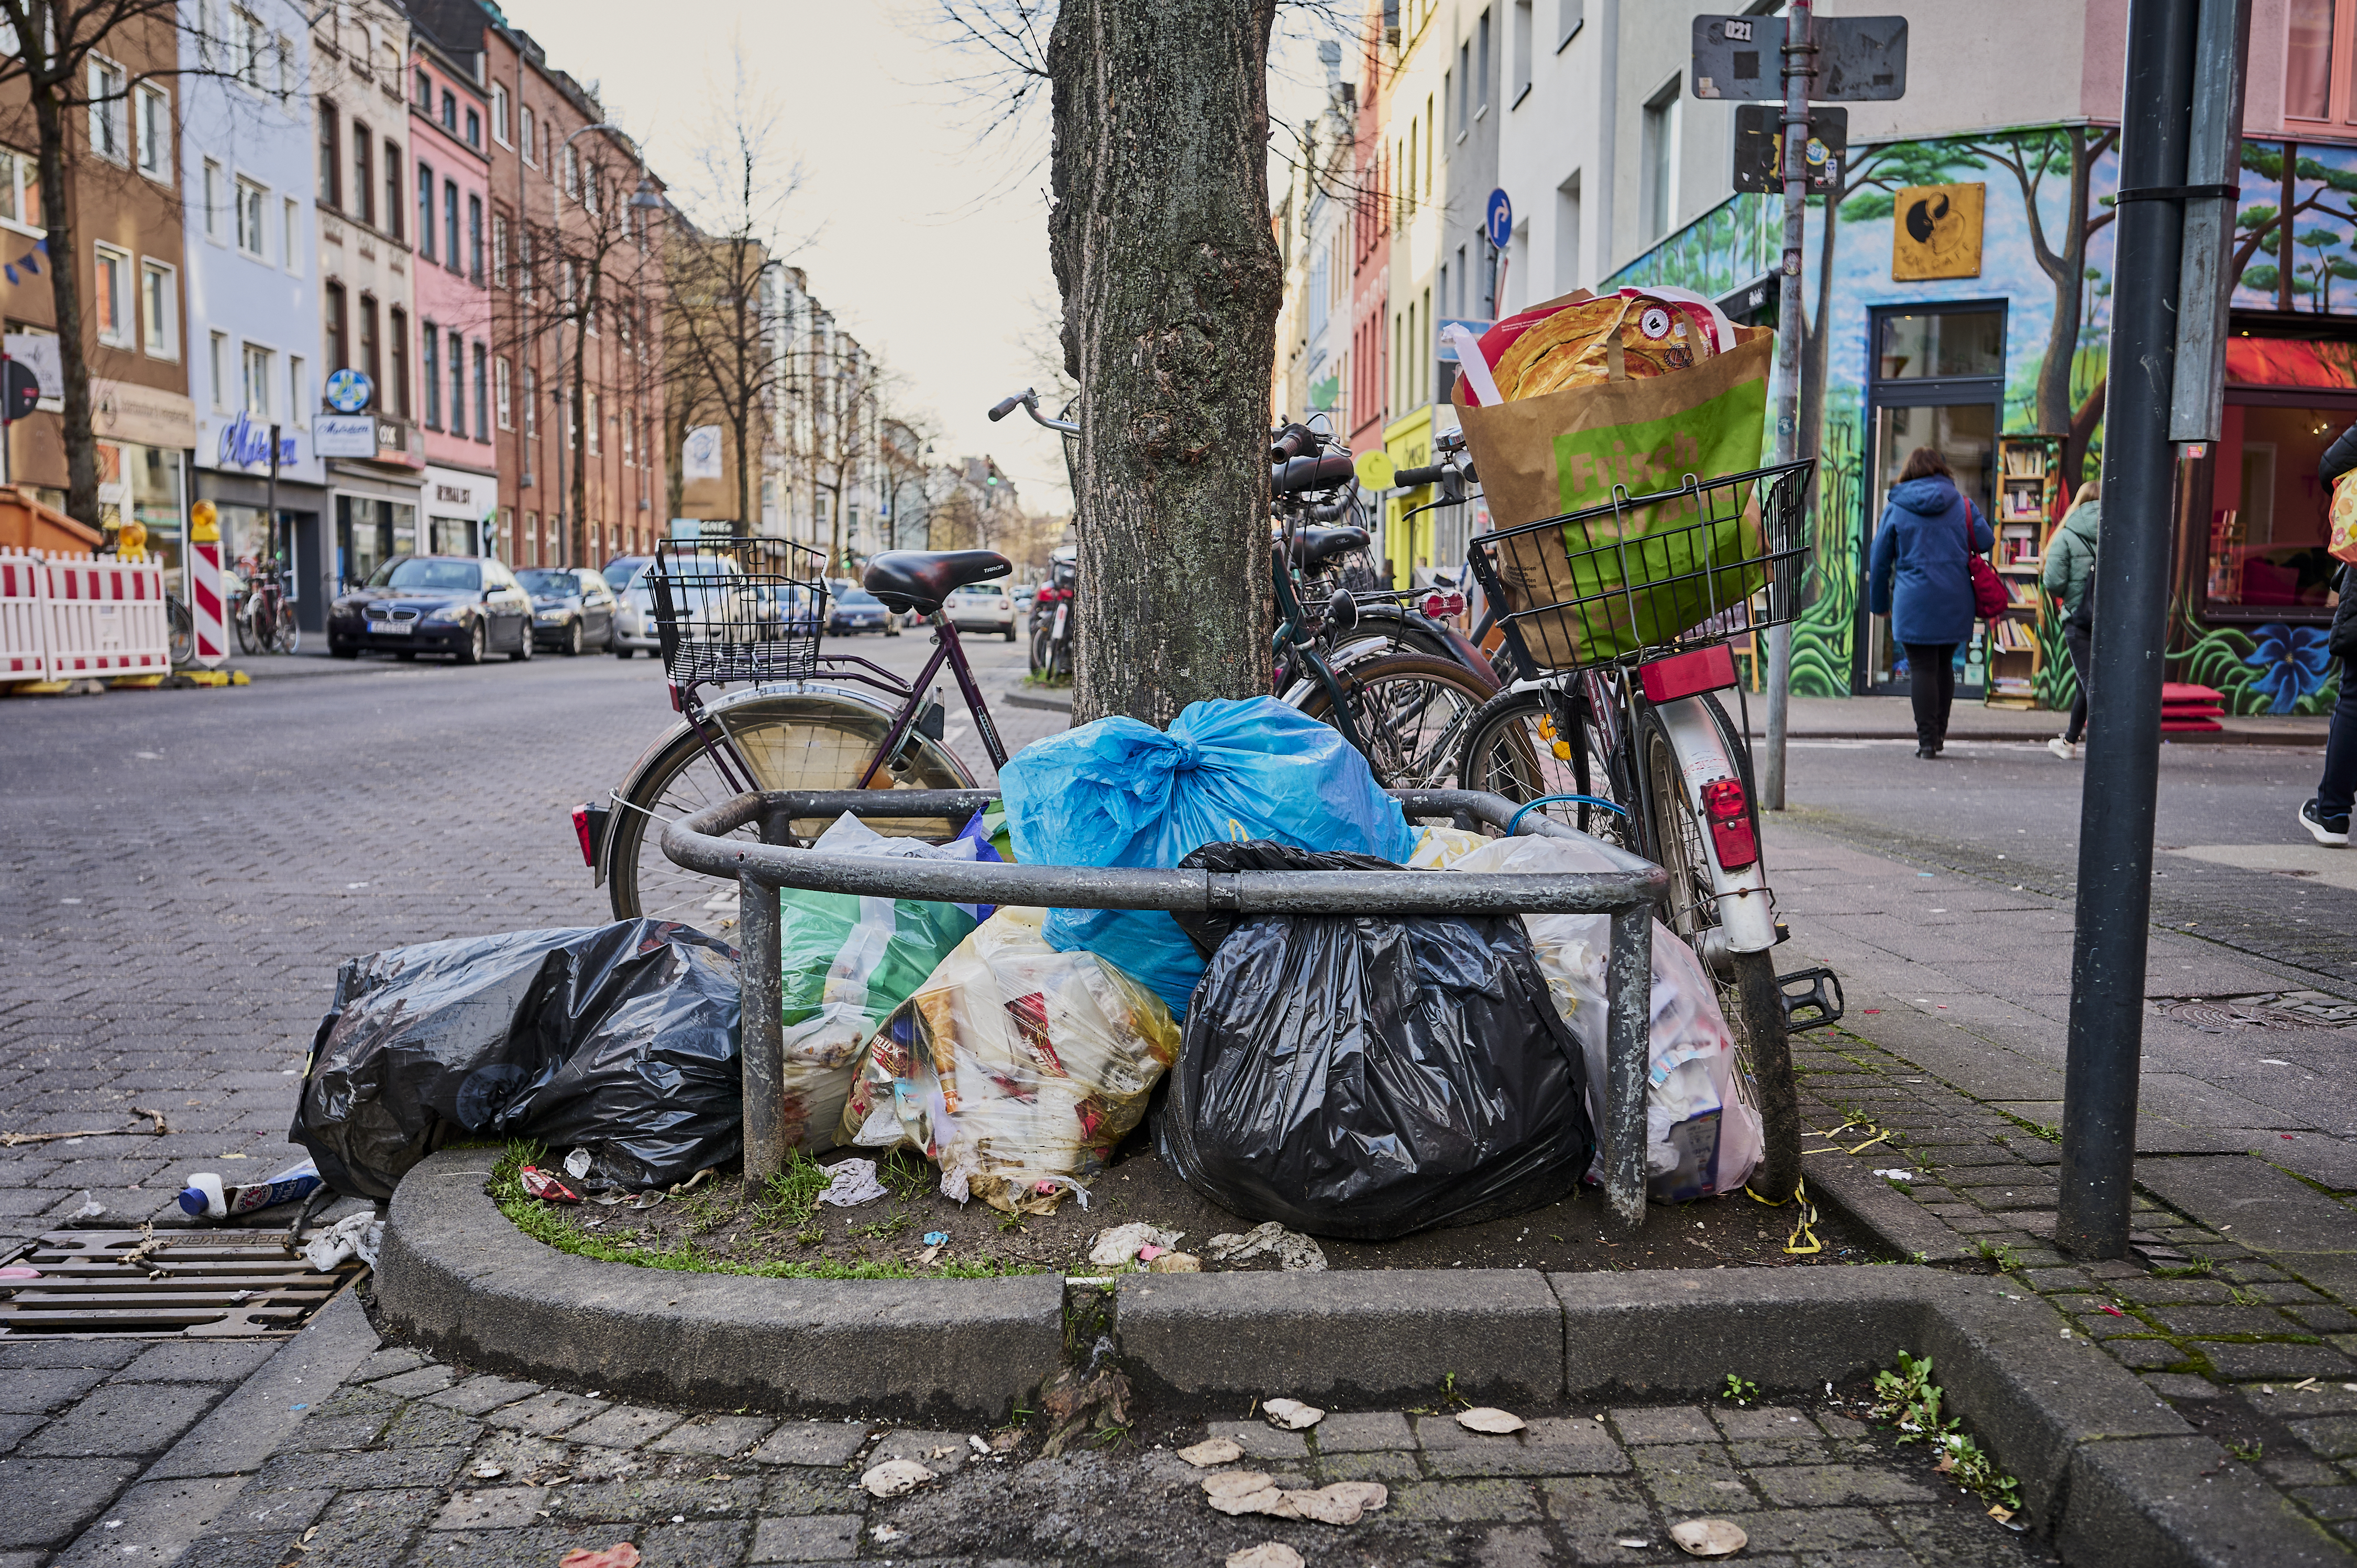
647 198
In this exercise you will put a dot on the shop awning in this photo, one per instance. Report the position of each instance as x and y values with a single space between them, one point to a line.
2291 362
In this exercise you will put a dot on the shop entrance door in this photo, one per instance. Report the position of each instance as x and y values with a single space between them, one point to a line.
1938 380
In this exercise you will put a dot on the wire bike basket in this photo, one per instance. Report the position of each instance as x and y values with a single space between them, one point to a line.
738 609
1645 575
1628 893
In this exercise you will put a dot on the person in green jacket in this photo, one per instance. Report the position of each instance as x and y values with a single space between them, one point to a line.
2070 577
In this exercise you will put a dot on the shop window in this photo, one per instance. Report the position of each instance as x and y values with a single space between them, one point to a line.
1938 345
2268 518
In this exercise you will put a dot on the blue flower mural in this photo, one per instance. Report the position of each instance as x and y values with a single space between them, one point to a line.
2292 662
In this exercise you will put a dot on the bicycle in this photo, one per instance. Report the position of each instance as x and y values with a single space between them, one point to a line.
748 613
265 616
181 643
1615 624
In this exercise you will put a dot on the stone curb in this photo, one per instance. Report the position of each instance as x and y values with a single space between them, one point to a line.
1022 697
2112 1474
458 1277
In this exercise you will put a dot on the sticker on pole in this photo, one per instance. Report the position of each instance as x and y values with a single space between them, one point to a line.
1500 219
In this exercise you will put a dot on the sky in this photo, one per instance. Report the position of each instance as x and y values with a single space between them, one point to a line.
926 237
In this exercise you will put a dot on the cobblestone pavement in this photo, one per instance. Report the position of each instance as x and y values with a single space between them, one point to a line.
414 1462
180 874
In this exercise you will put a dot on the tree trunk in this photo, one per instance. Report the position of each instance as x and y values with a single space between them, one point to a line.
1160 241
65 288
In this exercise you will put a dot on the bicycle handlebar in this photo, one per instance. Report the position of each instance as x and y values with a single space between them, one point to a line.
1008 406
1293 441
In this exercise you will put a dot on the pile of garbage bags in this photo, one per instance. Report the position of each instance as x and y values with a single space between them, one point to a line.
620 1040
1361 1075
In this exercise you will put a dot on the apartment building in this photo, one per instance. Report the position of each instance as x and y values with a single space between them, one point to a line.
371 453
246 172
122 156
1368 383
449 107
1311 369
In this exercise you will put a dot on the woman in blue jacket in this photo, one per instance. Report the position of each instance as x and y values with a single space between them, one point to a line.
1920 579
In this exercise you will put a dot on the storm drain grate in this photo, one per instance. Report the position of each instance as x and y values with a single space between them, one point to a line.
216 1284
2262 1010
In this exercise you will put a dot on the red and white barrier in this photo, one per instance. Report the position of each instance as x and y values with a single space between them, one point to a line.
104 617
208 610
23 649
65 617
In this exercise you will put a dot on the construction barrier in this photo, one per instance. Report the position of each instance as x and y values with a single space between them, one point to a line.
70 617
22 646
208 607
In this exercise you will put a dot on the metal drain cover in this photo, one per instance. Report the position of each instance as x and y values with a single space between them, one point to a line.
2261 1010
212 1284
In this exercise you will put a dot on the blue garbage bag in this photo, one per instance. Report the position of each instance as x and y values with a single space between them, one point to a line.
1118 793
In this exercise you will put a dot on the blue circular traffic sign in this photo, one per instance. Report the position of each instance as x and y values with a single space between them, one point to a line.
349 390
1500 221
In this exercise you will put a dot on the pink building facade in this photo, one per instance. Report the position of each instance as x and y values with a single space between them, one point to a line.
449 116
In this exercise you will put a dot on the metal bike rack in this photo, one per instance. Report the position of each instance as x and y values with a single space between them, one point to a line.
1628 895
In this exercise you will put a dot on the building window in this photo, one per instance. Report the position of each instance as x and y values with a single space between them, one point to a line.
20 189
332 158
498 250
107 111
114 297
530 127
502 393
594 423
1522 47
424 209
363 175
249 235
399 334
258 365
245 42
572 171
457 384
2307 62
160 301
154 125
285 62
433 364
482 393
336 324
449 112
450 224
1480 82
1660 147
392 189
530 405
368 359
629 454
220 362
291 234
215 184
499 113
424 91
474 129
298 390
475 238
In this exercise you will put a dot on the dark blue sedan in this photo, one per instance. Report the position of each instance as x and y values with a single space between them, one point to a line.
466 606
855 609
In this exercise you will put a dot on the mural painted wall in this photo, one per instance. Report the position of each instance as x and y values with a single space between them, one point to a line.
2047 259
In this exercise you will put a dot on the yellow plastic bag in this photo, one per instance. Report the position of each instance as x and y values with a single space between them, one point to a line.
1015 1068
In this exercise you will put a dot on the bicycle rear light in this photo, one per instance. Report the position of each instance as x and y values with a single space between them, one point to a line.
1440 607
589 826
1730 824
1683 674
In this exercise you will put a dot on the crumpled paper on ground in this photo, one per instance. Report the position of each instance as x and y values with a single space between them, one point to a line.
852 1183
1120 1244
1293 1252
354 1235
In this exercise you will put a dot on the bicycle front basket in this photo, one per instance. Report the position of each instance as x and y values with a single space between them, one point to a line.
738 609
1645 574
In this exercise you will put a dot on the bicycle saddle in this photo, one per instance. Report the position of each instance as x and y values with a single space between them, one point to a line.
920 579
1315 546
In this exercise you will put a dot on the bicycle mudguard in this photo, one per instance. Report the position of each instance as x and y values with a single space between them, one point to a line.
1746 913
718 707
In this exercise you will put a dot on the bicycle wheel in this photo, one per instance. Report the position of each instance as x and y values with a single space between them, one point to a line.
791 742
182 645
290 635
1517 747
247 636
1411 713
1748 995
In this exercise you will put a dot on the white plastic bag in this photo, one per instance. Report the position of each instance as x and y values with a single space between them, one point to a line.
1015 1066
1701 1136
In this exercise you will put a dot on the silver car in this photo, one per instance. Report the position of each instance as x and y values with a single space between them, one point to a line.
983 607
634 608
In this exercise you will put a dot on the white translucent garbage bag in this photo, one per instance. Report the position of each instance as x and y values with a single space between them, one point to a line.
1701 1136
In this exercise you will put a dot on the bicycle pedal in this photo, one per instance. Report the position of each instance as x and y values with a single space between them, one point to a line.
1818 1007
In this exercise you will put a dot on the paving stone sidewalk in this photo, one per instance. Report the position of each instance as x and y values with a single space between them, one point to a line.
415 1462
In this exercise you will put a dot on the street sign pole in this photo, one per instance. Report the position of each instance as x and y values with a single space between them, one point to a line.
1800 72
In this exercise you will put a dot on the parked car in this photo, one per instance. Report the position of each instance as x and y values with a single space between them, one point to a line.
572 609
1025 594
982 607
464 605
634 612
852 609
621 569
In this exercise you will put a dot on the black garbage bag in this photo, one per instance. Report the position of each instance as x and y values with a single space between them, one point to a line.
1369 1076
618 1039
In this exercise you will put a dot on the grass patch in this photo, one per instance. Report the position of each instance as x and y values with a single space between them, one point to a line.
1910 1399
559 1225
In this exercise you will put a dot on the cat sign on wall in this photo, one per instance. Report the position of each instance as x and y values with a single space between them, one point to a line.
1935 231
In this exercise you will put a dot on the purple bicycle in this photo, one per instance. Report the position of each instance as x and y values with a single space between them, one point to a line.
742 617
